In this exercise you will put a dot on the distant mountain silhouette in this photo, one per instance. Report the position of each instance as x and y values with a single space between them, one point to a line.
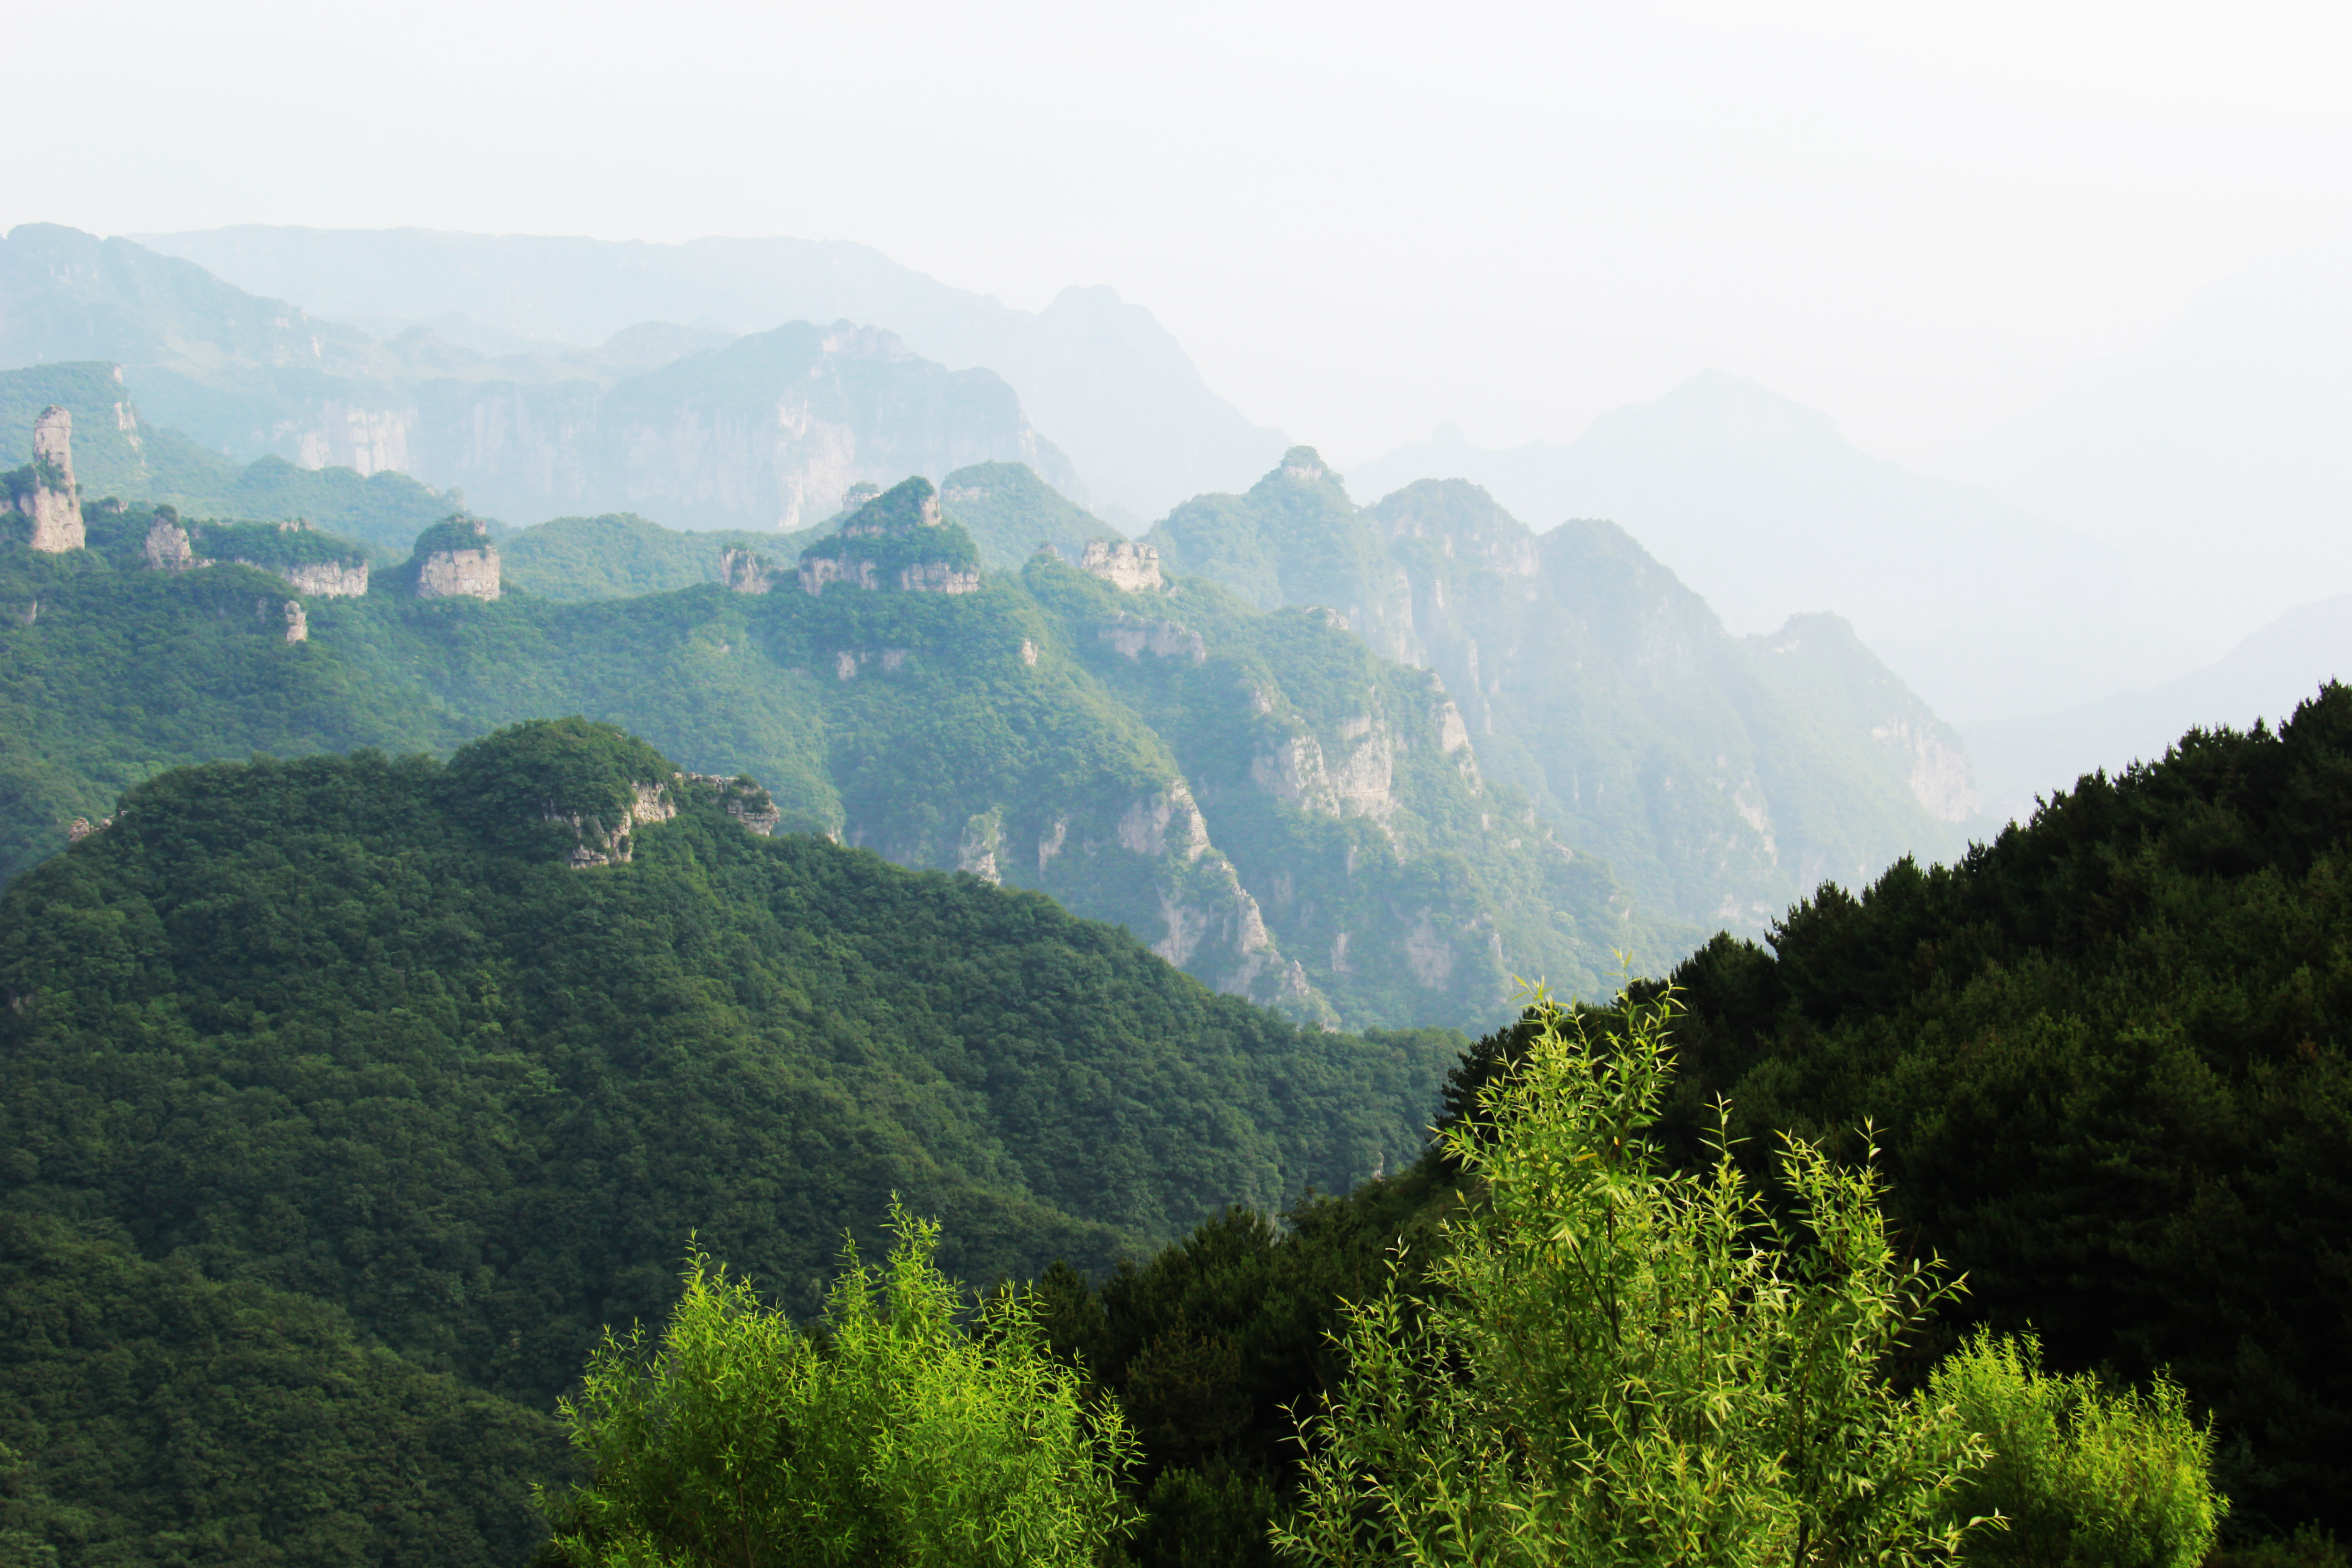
1767 511
1116 391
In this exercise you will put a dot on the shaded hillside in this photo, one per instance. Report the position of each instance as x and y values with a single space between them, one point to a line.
339 1093
762 431
158 1416
613 1014
2106 1056
1097 372
1721 777
1049 732
617 556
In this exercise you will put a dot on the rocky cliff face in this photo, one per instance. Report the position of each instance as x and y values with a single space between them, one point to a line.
167 548
744 571
696 428
43 493
1130 566
899 540
1721 776
335 580
455 560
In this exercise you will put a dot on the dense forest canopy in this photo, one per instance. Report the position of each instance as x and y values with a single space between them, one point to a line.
2107 1052
1259 796
363 1029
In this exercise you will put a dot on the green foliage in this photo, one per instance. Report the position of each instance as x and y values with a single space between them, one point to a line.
1011 514
894 1435
1022 729
458 532
107 677
1619 1363
1718 777
2108 1052
545 785
117 454
2306 1547
2083 1477
897 530
271 547
154 1416
309 1025
618 556
386 510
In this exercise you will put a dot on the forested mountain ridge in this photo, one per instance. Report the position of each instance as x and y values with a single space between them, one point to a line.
2105 1055
467 1052
1722 777
1258 797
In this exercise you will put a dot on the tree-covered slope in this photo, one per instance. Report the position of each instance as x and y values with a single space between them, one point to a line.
371 1030
619 556
2106 1055
1721 777
1047 731
150 1415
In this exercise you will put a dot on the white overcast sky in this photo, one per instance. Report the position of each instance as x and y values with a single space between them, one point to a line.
1360 219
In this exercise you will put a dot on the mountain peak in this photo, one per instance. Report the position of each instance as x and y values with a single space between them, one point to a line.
1303 463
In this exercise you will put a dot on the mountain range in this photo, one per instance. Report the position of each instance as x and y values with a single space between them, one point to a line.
1983 609
1722 776
1116 391
766 430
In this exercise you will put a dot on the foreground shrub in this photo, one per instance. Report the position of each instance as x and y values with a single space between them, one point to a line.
892 1436
2085 1478
1622 1365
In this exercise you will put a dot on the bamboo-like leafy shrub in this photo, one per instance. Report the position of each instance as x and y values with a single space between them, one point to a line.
892 1436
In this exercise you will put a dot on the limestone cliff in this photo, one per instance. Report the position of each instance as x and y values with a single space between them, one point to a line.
455 560
330 579
43 492
746 572
167 548
899 541
1721 776
1129 566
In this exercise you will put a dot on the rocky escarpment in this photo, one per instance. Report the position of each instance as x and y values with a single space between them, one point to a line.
455 560
745 571
1722 776
899 540
309 561
1129 566
43 492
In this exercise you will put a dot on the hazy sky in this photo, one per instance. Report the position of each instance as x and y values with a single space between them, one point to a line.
1360 219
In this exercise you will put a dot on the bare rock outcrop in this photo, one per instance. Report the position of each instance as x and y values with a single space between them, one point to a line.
1129 566
899 539
457 561
746 572
938 578
1293 768
741 798
167 548
44 492
1134 637
334 579
616 845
